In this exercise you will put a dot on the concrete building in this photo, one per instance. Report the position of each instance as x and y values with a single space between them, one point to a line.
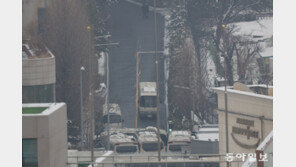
250 118
38 76
44 135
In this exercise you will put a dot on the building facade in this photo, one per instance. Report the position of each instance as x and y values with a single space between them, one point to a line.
44 135
250 119
38 77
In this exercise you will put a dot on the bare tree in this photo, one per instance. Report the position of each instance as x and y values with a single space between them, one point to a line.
67 37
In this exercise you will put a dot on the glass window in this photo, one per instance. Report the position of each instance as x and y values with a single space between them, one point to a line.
112 118
148 101
29 154
151 146
38 93
126 149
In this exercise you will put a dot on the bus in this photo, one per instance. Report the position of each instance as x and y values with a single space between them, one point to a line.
115 119
148 141
121 143
147 100
179 141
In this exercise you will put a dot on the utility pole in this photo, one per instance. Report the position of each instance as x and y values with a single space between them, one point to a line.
225 99
157 83
107 103
91 101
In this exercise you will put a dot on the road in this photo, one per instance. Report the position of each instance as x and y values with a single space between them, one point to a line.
134 33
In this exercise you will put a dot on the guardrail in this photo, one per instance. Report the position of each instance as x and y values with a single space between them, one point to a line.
202 160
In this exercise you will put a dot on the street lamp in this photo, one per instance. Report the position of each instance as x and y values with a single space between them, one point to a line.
81 108
225 98
107 90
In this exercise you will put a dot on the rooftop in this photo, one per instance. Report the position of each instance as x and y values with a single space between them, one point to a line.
259 30
33 110
259 91
40 109
30 53
147 136
179 136
121 138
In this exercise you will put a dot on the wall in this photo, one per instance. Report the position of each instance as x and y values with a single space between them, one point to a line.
51 133
244 112
38 71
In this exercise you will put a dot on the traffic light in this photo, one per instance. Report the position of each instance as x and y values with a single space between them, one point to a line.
170 126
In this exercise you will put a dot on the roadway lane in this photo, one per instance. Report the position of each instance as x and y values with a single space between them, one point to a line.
134 34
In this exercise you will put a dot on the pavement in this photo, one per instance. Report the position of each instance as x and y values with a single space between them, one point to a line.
134 33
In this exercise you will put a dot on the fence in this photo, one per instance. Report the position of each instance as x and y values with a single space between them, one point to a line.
137 160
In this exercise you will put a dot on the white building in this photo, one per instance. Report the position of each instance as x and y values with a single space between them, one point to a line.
250 118
44 135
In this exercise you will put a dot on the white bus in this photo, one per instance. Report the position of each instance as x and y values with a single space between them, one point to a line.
115 119
179 141
147 99
122 143
148 141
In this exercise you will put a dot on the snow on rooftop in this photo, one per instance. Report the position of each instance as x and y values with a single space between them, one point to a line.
259 30
230 90
262 28
207 136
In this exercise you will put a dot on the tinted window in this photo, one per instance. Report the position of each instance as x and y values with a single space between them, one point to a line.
29 153
151 146
176 147
126 149
148 101
112 118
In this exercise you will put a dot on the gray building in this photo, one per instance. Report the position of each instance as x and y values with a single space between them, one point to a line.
44 135
206 139
38 76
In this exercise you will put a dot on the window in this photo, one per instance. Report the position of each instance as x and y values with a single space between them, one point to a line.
29 153
41 20
148 101
151 146
38 93
112 118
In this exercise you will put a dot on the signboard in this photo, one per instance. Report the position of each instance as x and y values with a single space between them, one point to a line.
248 130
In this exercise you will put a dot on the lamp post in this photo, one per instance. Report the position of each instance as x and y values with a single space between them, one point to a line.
81 109
225 98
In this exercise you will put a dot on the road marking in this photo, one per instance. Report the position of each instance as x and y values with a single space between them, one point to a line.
101 159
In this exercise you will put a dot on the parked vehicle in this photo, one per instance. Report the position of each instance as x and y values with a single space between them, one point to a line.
179 141
115 119
122 143
148 141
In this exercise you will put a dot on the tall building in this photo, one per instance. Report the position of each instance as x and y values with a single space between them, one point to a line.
250 118
44 135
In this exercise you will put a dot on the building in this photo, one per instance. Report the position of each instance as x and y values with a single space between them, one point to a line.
38 76
205 139
44 135
33 13
250 117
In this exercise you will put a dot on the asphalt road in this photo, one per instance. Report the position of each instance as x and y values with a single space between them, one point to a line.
134 34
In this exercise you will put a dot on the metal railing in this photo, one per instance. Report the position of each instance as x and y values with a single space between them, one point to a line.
166 160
